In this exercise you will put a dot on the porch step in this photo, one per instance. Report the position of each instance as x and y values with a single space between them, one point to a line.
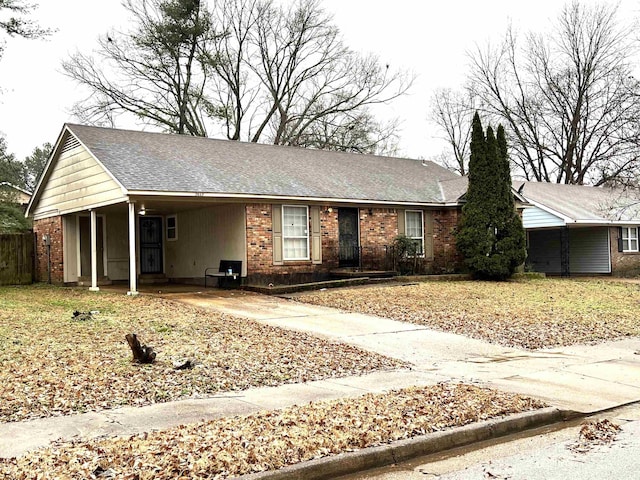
152 278
85 281
356 273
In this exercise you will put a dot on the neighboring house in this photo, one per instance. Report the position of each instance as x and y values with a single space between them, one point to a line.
575 229
118 205
15 194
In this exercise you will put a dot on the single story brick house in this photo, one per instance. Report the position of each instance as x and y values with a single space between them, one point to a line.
578 230
121 205
130 206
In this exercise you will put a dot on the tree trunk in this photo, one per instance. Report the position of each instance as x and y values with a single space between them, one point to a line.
141 353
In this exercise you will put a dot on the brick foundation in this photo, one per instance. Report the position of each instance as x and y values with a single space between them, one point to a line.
53 227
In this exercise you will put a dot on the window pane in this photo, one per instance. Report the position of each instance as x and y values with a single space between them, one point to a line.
414 224
630 239
295 248
295 230
295 222
420 249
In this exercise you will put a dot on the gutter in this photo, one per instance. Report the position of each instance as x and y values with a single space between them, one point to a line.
251 196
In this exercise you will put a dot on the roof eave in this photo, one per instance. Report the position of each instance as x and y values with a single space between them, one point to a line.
260 197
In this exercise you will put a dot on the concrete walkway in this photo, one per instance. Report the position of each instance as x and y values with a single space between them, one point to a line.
581 378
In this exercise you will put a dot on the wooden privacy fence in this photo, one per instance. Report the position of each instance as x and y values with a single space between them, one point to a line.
16 258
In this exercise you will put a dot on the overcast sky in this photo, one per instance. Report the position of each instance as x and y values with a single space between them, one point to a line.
428 38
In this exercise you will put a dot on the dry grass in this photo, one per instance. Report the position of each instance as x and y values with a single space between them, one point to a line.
55 365
529 314
270 440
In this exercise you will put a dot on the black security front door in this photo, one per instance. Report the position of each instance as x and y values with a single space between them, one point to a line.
348 234
150 245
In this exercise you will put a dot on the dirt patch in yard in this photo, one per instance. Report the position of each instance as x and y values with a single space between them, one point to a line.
269 440
528 313
55 364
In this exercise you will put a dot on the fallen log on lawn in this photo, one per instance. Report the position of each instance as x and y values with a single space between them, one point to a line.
141 353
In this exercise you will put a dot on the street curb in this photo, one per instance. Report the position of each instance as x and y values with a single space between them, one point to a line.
403 450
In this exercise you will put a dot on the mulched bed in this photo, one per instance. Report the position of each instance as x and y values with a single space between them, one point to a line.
269 440
529 314
56 364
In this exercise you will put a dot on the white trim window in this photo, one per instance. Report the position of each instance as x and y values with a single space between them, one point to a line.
172 228
414 228
295 232
629 239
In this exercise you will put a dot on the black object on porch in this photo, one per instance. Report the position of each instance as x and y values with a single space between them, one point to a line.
228 274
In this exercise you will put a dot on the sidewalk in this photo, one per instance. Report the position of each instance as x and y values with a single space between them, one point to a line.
582 378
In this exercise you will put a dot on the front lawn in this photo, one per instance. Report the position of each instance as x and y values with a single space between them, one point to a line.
528 313
52 364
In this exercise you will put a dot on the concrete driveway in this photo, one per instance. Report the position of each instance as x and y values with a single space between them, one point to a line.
581 378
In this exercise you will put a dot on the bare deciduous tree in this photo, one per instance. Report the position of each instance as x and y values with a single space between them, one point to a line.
16 24
286 77
452 111
269 74
568 98
158 71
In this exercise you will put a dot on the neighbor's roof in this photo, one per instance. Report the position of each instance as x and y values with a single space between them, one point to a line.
157 162
15 187
583 204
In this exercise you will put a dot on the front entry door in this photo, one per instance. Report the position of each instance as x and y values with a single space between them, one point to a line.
348 237
151 245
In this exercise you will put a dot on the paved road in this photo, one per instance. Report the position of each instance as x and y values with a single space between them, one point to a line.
543 456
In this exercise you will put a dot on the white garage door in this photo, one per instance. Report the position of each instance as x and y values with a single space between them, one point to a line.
589 250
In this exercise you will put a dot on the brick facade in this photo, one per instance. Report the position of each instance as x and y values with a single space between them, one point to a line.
53 228
260 267
446 258
623 264
330 239
378 229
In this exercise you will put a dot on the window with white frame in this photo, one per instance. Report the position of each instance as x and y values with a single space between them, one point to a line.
629 239
414 228
172 227
295 232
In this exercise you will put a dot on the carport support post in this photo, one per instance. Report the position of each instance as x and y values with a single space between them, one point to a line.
94 253
133 288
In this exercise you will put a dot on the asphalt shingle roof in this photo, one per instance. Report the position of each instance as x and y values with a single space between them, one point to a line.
583 203
145 161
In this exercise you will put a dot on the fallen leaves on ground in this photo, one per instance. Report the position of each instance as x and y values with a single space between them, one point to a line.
528 314
270 440
53 364
593 433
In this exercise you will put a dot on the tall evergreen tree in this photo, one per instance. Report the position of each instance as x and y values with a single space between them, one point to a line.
490 238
